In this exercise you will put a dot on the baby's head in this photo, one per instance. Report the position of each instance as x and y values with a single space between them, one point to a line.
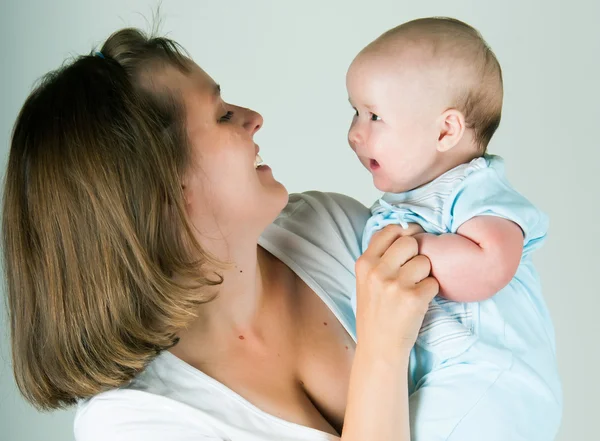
428 97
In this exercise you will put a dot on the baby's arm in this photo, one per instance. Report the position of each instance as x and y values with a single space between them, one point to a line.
478 261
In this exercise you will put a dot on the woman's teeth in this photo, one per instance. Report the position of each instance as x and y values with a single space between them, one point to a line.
258 161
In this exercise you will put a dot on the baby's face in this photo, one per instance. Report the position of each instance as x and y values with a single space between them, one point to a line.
394 131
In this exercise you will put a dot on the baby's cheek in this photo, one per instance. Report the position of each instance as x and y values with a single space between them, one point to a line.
395 159
383 146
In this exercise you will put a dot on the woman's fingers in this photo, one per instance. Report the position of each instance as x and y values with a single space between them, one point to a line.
382 240
394 289
404 263
415 270
387 252
428 288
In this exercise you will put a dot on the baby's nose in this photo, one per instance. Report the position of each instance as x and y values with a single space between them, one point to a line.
355 138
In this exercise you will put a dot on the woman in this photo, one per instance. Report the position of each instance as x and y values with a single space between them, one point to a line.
159 275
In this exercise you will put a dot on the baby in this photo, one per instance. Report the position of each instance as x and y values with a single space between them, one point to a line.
428 98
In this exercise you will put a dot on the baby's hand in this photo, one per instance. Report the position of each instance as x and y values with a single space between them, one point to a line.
411 230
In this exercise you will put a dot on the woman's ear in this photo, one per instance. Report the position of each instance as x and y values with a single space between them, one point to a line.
186 194
452 128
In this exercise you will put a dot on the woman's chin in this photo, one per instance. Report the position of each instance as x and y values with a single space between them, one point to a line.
281 194
273 200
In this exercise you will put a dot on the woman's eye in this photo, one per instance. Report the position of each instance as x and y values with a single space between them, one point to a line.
227 116
375 117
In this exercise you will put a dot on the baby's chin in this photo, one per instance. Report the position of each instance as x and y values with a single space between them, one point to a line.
386 185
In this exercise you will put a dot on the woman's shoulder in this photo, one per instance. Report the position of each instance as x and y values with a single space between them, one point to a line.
325 219
319 235
327 204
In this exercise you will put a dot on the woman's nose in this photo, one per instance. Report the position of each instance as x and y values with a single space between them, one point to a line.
253 121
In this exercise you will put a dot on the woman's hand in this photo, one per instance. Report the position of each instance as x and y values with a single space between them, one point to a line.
411 230
393 293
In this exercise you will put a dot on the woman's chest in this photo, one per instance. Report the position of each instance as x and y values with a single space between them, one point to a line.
302 374
324 361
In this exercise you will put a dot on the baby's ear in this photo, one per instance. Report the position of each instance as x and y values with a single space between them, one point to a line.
452 128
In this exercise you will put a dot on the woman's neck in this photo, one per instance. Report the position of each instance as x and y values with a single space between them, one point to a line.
241 301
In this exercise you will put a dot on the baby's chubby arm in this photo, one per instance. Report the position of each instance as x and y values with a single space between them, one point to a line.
478 261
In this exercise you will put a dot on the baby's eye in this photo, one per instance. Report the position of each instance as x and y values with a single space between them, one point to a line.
375 117
355 111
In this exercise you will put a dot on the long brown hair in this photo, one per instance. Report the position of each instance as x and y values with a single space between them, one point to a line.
94 223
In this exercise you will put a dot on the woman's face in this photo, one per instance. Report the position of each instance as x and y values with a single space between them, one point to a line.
227 195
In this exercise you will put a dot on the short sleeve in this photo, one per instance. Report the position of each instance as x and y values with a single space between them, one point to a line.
487 192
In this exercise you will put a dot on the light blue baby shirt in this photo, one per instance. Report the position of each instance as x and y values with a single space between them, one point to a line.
511 330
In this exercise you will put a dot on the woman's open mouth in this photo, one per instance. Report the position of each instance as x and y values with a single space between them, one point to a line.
258 161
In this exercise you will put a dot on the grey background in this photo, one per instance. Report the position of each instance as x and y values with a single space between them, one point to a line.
287 59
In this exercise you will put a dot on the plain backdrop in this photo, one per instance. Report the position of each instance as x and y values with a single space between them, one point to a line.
288 59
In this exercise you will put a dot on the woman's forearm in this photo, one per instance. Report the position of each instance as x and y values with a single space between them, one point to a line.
377 406
393 291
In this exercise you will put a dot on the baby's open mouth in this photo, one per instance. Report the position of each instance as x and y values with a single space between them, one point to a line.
373 164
